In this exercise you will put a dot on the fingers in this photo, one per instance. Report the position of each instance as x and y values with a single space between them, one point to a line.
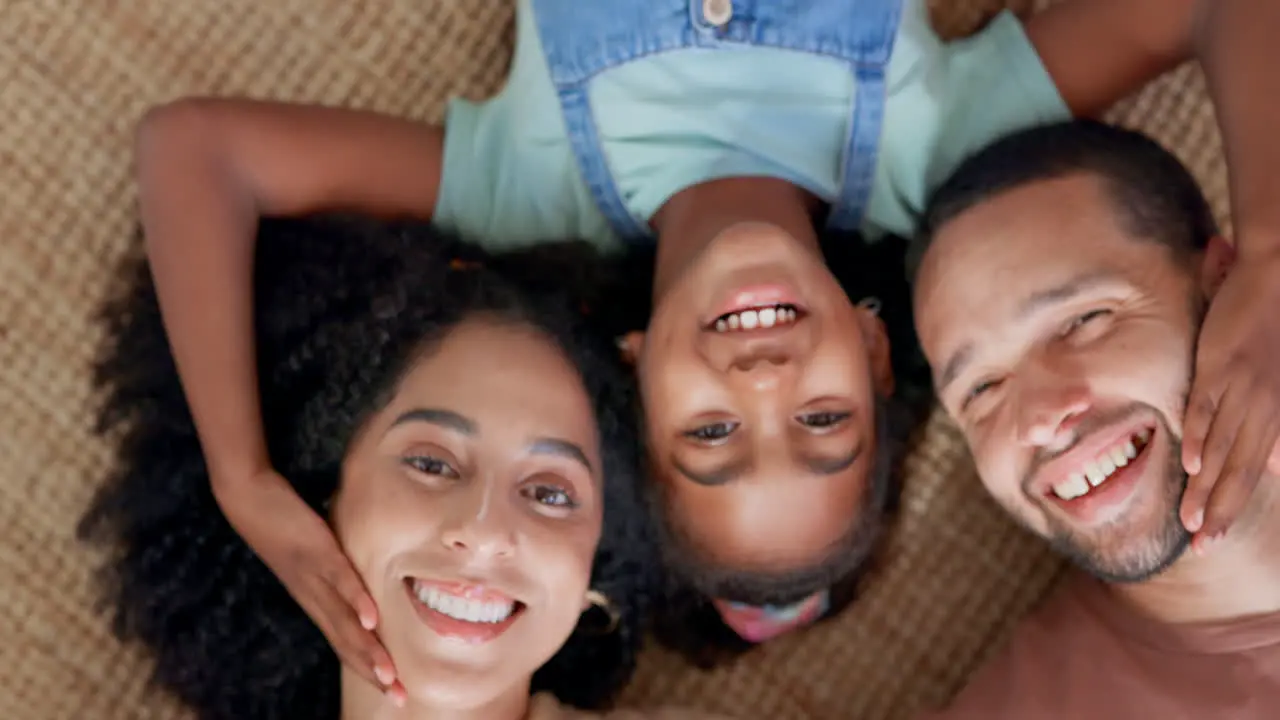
1217 439
348 585
1241 471
1273 462
1195 425
398 694
356 646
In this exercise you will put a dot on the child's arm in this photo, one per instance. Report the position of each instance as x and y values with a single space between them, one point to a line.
1097 51
207 169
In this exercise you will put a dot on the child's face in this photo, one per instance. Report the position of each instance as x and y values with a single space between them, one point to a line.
471 506
759 380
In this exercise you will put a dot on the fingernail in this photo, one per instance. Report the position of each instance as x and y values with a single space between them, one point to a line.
367 622
385 676
1209 541
1197 520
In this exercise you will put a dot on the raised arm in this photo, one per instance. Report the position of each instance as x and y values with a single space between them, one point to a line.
207 170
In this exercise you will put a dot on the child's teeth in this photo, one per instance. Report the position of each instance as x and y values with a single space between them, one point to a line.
766 317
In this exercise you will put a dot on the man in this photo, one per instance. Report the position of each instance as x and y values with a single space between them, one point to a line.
1061 281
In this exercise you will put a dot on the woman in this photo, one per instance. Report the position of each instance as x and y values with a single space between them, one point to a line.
456 424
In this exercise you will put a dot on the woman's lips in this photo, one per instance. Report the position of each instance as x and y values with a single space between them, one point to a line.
470 613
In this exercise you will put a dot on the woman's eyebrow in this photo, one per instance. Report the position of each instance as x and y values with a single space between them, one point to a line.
451 420
561 448
446 419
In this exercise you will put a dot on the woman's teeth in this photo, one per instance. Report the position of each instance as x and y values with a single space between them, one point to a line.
1097 471
765 317
477 611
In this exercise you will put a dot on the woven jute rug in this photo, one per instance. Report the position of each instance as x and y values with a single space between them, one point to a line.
75 75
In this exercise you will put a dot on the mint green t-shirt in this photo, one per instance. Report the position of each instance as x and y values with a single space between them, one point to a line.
676 119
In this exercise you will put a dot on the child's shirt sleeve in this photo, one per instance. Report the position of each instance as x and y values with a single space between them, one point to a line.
509 177
948 100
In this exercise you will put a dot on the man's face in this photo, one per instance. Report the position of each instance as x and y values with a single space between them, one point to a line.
1063 347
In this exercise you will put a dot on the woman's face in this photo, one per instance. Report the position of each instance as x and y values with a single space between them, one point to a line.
471 506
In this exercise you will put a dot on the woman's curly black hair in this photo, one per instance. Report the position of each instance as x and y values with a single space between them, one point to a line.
343 305
685 619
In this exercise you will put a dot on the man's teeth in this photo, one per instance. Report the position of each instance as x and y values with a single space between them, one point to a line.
1100 469
476 611
766 317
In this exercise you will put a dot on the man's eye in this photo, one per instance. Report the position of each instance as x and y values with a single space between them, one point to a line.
428 465
978 390
712 433
821 420
1084 319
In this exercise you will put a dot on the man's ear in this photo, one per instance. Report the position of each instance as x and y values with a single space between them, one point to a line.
630 345
1218 259
878 351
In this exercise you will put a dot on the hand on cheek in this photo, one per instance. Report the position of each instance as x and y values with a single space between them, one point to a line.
1231 435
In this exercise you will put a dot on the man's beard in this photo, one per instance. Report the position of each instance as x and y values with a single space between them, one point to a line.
1115 553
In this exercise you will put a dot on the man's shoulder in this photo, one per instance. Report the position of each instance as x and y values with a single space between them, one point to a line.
1025 676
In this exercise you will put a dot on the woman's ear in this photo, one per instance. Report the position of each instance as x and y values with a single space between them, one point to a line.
878 351
631 345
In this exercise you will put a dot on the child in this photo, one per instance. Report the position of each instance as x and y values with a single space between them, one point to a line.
726 132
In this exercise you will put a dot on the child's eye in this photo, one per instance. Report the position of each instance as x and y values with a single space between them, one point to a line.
823 420
712 433
551 496
428 465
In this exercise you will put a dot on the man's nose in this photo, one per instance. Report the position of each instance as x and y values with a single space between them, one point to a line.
1049 405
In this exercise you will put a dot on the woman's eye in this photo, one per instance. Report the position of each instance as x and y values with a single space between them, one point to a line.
823 420
551 496
428 465
713 432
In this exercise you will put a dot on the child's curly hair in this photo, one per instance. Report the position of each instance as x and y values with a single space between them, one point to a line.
343 305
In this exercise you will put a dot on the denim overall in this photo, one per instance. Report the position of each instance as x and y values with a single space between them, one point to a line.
582 38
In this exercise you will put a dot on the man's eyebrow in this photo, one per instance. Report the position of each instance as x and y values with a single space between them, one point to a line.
561 448
1032 304
720 476
1062 292
954 365
446 419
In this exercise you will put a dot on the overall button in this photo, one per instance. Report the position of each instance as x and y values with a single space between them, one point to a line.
717 12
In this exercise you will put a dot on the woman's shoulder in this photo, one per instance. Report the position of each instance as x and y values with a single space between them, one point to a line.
546 707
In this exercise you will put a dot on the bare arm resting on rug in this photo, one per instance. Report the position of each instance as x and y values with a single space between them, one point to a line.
207 170
1097 51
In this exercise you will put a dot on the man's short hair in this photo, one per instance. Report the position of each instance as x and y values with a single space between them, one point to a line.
1154 195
